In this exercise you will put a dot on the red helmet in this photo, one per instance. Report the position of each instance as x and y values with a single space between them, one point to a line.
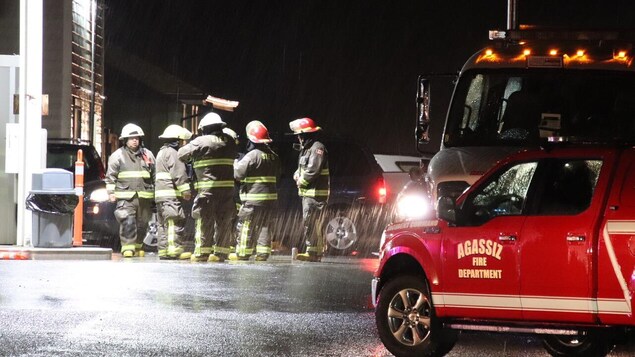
303 125
257 132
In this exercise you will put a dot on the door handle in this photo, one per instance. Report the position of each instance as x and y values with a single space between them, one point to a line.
575 238
506 238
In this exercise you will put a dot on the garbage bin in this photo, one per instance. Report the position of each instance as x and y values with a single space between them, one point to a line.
53 202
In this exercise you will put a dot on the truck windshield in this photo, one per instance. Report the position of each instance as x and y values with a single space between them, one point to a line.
519 107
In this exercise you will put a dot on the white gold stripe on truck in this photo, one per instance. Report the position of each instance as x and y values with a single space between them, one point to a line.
618 227
531 303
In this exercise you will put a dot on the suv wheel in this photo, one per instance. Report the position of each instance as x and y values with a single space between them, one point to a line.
406 322
340 233
588 343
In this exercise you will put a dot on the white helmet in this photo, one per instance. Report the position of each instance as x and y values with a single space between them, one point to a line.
175 132
130 130
231 133
211 119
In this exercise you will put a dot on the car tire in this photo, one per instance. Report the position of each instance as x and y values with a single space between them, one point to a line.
340 233
588 344
406 321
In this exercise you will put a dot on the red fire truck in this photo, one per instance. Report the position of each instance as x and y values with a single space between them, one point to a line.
543 243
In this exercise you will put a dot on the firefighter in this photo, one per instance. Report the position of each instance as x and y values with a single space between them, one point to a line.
212 155
172 186
313 180
129 181
258 172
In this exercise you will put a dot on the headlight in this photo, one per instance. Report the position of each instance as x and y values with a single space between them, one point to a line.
412 207
99 195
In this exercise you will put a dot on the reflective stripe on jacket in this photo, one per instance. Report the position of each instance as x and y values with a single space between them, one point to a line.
313 171
171 178
258 173
212 158
130 173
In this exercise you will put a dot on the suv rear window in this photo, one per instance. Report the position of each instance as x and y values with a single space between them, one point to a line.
63 156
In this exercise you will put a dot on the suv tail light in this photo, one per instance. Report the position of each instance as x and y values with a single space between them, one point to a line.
381 190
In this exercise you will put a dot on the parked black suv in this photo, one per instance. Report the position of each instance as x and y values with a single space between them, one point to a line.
99 225
355 214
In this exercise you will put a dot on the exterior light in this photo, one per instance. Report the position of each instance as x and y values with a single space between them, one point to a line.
580 53
621 54
526 52
553 52
488 52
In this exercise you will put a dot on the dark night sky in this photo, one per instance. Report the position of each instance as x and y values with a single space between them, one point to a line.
350 65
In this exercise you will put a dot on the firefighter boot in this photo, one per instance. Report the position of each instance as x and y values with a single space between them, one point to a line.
216 258
309 257
127 253
199 258
185 256
262 257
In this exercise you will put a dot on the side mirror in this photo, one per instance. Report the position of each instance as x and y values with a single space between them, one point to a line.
416 174
446 209
422 125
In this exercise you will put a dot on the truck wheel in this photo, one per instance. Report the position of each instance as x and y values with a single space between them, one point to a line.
406 322
589 343
340 233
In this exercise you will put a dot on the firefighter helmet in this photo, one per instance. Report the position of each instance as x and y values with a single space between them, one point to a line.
175 132
130 130
257 132
303 125
231 133
211 119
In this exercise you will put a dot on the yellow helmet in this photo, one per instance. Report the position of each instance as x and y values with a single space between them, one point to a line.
130 130
175 132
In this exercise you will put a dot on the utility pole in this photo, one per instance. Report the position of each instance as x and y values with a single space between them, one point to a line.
30 105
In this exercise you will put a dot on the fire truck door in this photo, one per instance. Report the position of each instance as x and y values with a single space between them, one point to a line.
556 252
481 266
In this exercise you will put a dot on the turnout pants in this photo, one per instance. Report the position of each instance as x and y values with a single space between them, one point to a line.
213 217
253 230
171 228
133 216
312 218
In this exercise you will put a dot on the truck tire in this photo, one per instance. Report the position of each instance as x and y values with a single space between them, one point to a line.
588 344
340 233
406 322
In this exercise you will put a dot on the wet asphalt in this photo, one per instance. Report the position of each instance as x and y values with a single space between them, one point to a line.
147 307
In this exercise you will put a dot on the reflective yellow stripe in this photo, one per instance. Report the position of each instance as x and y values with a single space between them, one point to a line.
183 187
146 194
222 250
312 249
213 184
258 196
125 247
304 182
324 172
207 250
311 192
241 250
163 176
197 237
110 187
259 179
213 162
263 249
124 194
166 193
171 233
133 174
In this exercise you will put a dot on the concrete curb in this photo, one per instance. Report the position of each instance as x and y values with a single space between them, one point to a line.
75 253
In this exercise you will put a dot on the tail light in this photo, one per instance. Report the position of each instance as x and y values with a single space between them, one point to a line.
381 190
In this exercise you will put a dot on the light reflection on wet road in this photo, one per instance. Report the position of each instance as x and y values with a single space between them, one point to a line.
147 307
